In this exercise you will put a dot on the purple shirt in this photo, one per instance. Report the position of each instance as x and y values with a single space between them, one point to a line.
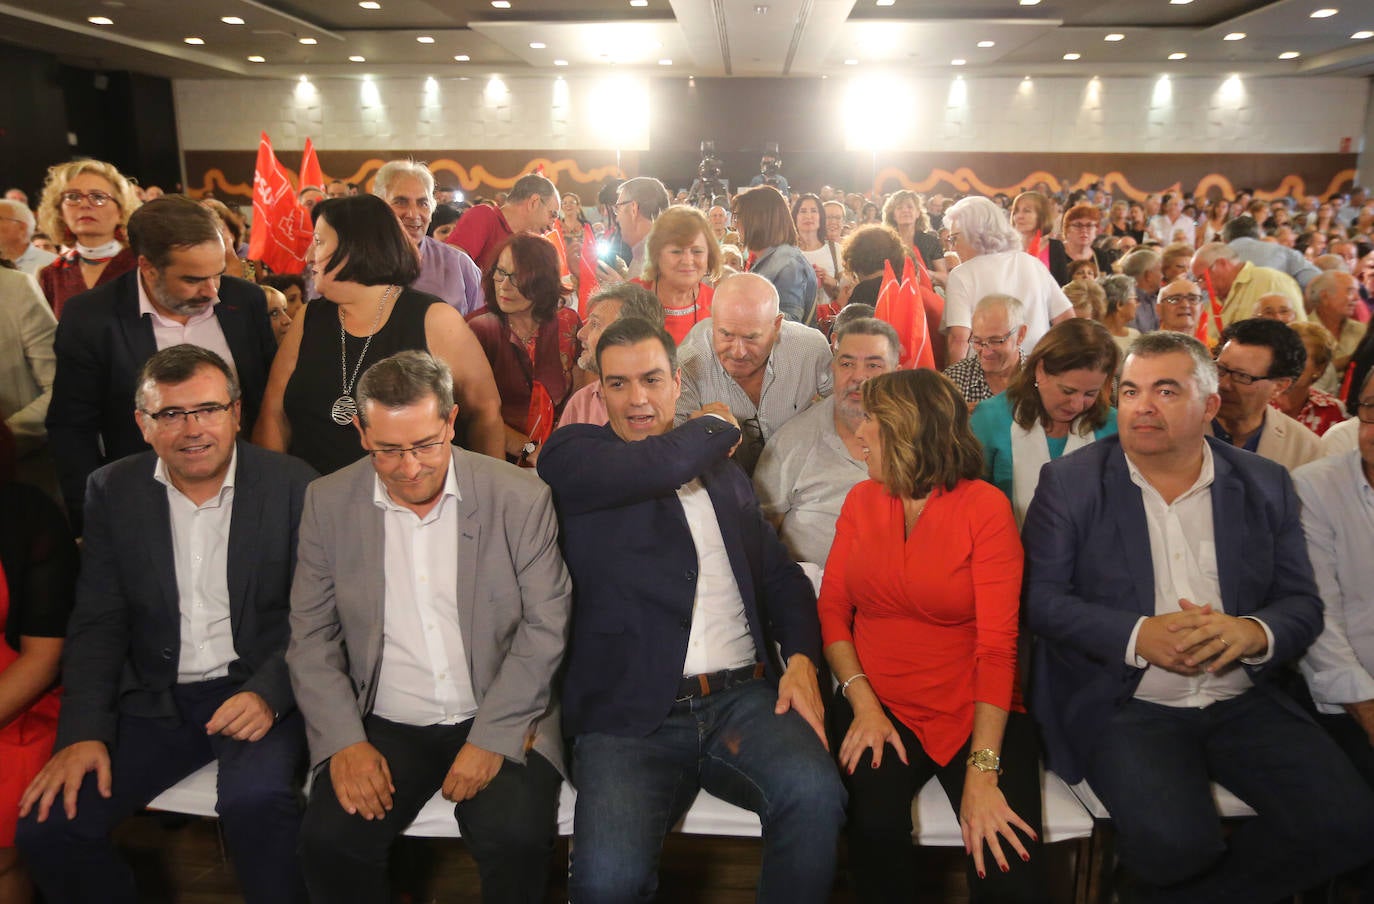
448 273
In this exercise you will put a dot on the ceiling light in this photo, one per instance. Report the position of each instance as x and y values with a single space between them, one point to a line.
100 20
257 59
305 79
461 58
639 2
309 41
1178 55
1180 2
958 62
1235 36
231 20
1362 35
370 4
1030 2
357 59
851 62
560 62
987 43
1325 13
537 45
885 2
1114 36
194 40
1072 56
1289 55
665 62
501 4
425 39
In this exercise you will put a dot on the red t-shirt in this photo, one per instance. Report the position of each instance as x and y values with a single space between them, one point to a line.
679 321
932 616
479 232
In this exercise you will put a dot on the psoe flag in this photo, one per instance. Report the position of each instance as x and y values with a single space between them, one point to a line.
281 228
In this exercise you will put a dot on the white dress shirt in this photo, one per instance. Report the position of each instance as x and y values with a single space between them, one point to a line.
200 553
719 638
1338 520
424 677
203 329
1184 554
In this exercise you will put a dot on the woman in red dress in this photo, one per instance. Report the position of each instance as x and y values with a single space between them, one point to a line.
919 610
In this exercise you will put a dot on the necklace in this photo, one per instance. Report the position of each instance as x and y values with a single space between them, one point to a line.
345 407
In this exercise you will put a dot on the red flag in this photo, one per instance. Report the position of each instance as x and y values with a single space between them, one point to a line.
311 174
1215 306
281 229
901 305
555 236
887 291
587 282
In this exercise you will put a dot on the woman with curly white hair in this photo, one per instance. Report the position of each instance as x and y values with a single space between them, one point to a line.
991 262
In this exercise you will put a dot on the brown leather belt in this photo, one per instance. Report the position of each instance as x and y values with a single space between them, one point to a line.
695 686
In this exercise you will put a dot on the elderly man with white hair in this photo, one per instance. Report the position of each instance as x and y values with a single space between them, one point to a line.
992 262
446 271
16 239
999 329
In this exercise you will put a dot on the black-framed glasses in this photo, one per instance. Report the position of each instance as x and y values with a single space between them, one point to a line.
175 417
1237 376
1083 225
75 198
952 238
991 341
394 456
500 273
1365 412
1173 300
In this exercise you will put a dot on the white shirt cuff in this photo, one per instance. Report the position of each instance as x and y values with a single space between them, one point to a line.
1268 653
1132 659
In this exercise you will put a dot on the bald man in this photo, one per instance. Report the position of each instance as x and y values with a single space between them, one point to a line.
765 369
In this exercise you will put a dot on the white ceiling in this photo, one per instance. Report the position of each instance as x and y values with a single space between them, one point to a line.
699 37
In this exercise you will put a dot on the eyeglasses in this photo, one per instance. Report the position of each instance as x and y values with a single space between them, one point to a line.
1173 300
75 198
619 204
1365 412
208 415
499 273
952 239
991 341
1238 376
1083 225
394 456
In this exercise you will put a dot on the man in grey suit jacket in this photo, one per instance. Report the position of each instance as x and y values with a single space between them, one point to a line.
174 652
428 617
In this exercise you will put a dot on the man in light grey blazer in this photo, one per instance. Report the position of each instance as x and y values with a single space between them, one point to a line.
428 617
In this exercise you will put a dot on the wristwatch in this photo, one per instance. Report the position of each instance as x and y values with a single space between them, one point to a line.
985 760
528 449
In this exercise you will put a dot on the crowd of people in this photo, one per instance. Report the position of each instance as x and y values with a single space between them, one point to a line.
689 528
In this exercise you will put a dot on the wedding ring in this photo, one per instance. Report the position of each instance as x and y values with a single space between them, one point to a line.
1224 641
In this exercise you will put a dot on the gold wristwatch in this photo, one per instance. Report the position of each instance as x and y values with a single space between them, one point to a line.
985 760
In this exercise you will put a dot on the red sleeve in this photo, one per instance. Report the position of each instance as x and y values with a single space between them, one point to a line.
836 609
472 232
997 566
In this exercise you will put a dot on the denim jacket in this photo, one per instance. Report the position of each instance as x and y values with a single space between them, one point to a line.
795 279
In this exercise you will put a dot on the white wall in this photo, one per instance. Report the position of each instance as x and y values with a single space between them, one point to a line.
1006 115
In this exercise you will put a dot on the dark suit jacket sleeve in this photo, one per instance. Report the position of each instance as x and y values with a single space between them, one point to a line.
98 635
74 414
789 598
1293 608
1054 610
590 468
520 693
254 348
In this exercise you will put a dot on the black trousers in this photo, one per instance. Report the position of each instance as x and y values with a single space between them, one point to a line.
879 826
510 826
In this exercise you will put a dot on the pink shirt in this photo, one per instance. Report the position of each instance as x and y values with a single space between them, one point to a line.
585 407
202 329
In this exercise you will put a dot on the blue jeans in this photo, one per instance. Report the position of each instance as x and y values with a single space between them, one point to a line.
1152 767
631 791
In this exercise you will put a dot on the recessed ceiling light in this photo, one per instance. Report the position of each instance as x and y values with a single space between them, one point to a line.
357 59
1178 55
1235 36
1289 55
1072 56
851 62
309 41
100 20
987 43
370 4
665 62
461 58
1180 2
1030 2
194 40
257 59
958 62
885 2
425 39
537 45
1114 36
1325 13
501 4
560 62
1362 35
639 2
231 20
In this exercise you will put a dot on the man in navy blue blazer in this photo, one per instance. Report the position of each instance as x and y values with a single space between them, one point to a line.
177 294
1168 583
695 639
175 652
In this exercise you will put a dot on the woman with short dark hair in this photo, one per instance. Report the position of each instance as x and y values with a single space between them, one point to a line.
919 611
361 261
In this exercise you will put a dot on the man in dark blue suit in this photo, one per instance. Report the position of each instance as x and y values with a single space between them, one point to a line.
178 293
694 640
1168 581
175 650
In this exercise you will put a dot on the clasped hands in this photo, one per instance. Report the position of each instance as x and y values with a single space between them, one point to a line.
1198 639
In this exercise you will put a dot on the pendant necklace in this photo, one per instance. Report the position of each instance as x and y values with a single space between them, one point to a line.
345 407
